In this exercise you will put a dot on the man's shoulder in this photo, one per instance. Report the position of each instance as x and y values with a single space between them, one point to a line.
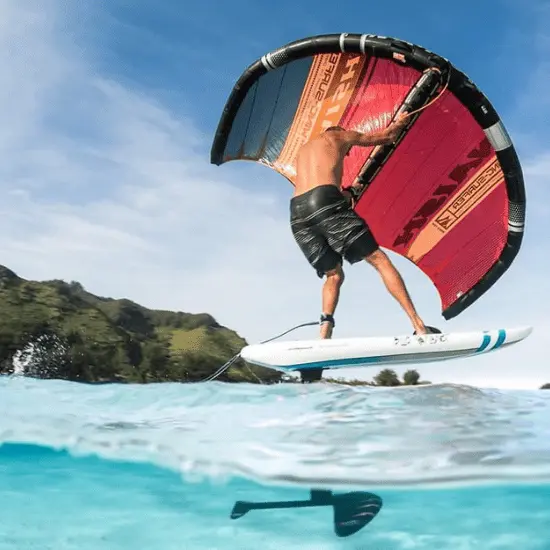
322 141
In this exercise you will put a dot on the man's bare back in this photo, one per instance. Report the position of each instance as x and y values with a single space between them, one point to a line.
320 160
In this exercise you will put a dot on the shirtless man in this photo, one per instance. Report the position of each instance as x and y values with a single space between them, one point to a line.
326 227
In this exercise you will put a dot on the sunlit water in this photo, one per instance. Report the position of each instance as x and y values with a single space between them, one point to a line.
161 467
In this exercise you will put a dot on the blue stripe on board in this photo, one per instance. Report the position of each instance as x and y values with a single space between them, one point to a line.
486 341
501 338
332 363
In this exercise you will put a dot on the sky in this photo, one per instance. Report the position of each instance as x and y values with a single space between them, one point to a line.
107 117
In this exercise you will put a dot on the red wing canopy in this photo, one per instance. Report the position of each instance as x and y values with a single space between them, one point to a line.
448 195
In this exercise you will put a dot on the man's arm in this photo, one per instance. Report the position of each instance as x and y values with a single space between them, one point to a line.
388 135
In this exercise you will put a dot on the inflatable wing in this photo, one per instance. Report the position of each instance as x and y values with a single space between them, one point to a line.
448 195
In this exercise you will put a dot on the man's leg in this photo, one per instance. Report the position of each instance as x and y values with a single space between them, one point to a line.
396 287
326 262
349 235
331 294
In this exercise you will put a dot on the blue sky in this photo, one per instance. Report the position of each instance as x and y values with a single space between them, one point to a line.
106 123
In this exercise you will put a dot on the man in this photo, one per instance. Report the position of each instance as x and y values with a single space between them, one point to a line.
326 227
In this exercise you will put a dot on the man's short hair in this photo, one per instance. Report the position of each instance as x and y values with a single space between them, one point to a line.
335 128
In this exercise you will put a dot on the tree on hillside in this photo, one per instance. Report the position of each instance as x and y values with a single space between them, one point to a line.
411 377
387 377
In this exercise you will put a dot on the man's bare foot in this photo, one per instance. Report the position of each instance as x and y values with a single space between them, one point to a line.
423 329
420 329
326 331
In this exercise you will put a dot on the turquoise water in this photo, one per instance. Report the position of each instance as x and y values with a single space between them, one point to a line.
161 466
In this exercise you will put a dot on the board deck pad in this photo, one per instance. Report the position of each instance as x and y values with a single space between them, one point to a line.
374 351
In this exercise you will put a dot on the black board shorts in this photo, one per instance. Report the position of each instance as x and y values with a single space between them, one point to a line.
326 229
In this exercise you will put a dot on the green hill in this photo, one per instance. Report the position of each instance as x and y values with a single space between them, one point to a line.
64 331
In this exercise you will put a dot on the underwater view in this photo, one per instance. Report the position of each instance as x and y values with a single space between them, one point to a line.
314 466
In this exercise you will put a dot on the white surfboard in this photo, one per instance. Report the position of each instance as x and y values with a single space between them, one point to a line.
337 353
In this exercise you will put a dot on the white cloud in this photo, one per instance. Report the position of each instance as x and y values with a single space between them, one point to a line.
104 185
142 213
